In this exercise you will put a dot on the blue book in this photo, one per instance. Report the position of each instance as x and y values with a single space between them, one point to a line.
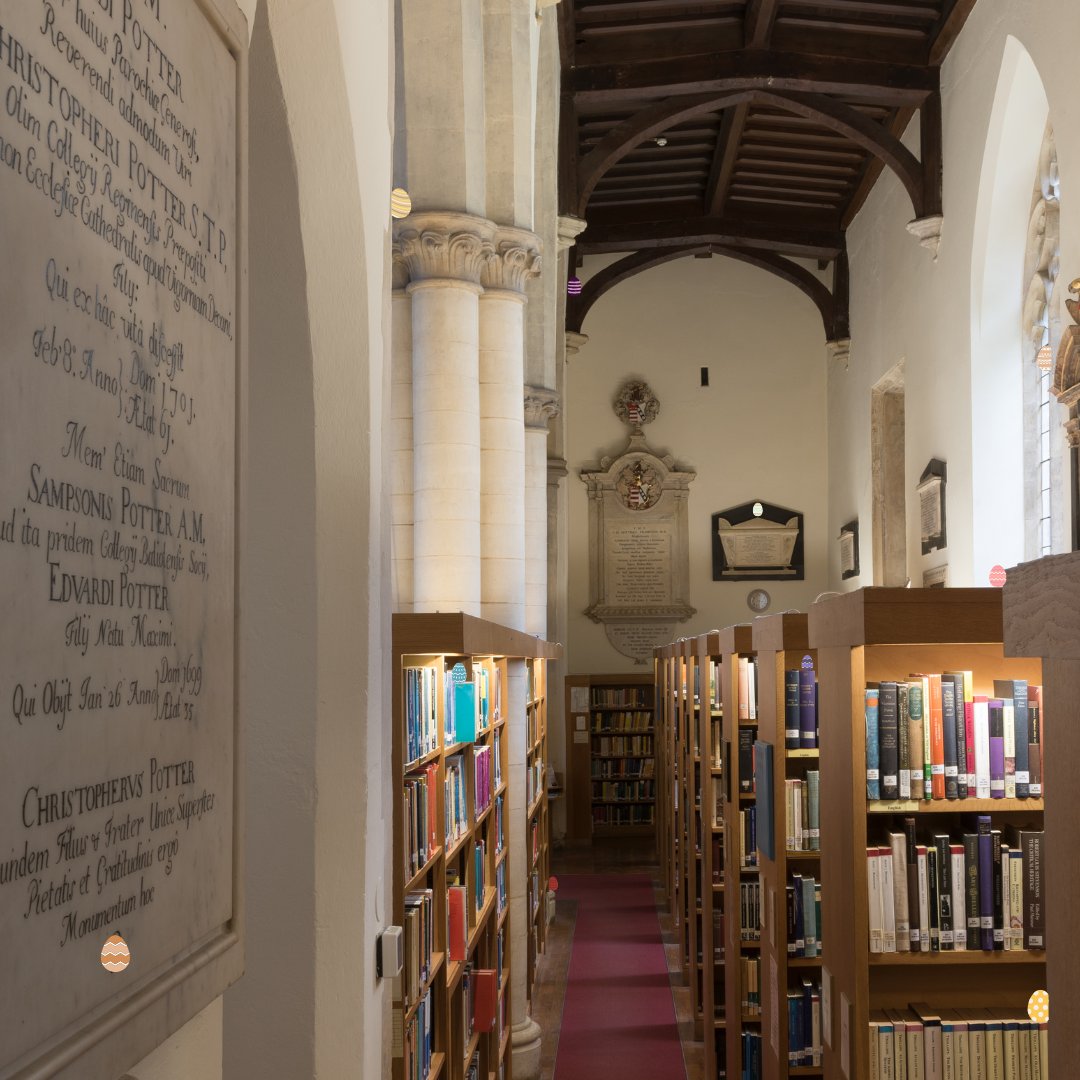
464 712
808 727
873 763
888 743
800 915
794 1028
791 710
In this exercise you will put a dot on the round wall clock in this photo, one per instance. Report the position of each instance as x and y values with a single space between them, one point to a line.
757 600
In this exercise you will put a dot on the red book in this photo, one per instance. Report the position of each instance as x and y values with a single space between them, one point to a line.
937 740
969 734
485 1000
459 925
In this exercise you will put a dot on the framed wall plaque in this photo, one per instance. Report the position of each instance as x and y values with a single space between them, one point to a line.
849 550
123 186
931 492
757 542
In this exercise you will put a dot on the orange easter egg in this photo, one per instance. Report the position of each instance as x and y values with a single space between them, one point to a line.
115 955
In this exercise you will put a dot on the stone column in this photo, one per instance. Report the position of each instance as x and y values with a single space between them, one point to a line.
445 253
541 404
502 425
524 1031
401 443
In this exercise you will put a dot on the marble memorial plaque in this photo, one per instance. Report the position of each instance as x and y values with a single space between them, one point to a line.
122 286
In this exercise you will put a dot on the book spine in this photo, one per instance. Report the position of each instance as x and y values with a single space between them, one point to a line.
937 741
995 712
808 725
1009 744
888 900
888 741
877 920
948 733
956 873
791 710
971 890
981 718
1035 786
898 854
999 890
969 735
1021 726
813 787
903 740
986 884
1031 843
1016 897
961 682
932 898
945 892
924 898
915 738
913 884
873 768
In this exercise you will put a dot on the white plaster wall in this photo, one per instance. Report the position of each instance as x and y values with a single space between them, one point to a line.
904 306
756 432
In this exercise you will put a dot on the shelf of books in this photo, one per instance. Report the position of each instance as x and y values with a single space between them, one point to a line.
789 846
622 730
712 897
537 811
933 826
451 747
741 924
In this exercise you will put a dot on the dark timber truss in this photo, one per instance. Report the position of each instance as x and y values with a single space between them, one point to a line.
752 129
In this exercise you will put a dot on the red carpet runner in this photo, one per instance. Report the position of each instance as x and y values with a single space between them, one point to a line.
618 1016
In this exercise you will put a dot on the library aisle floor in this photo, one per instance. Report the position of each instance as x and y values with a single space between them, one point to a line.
605 945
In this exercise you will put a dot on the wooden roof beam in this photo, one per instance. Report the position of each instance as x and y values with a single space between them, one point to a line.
727 153
799 241
760 19
872 80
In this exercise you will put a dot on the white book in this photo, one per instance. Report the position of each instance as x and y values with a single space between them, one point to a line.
888 901
898 856
959 897
932 1050
886 1064
875 1056
961 1051
899 1043
751 686
916 1047
948 1050
1010 1029
981 713
1006 900
1016 897
924 900
995 1046
873 881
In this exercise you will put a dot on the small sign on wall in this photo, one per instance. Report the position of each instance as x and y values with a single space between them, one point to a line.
931 492
849 550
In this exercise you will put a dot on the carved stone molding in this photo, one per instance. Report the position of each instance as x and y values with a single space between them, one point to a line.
541 406
514 259
436 244
575 342
570 228
1072 432
557 470
839 352
927 231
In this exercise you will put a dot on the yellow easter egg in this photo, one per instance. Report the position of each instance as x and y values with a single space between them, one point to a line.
400 203
115 955
1039 1007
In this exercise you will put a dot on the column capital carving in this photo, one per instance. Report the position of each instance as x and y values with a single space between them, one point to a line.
541 405
927 231
513 259
1072 432
839 352
557 470
575 342
433 244
570 228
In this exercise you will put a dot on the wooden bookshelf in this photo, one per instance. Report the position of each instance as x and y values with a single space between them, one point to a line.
1041 616
690 826
479 855
713 894
537 838
665 667
731 644
877 634
781 644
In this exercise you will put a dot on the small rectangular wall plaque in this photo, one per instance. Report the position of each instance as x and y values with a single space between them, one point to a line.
849 550
931 492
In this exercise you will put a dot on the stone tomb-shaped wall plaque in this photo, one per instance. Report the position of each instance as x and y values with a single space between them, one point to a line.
121 174
639 547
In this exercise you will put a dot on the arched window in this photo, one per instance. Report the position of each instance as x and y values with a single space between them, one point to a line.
1045 484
